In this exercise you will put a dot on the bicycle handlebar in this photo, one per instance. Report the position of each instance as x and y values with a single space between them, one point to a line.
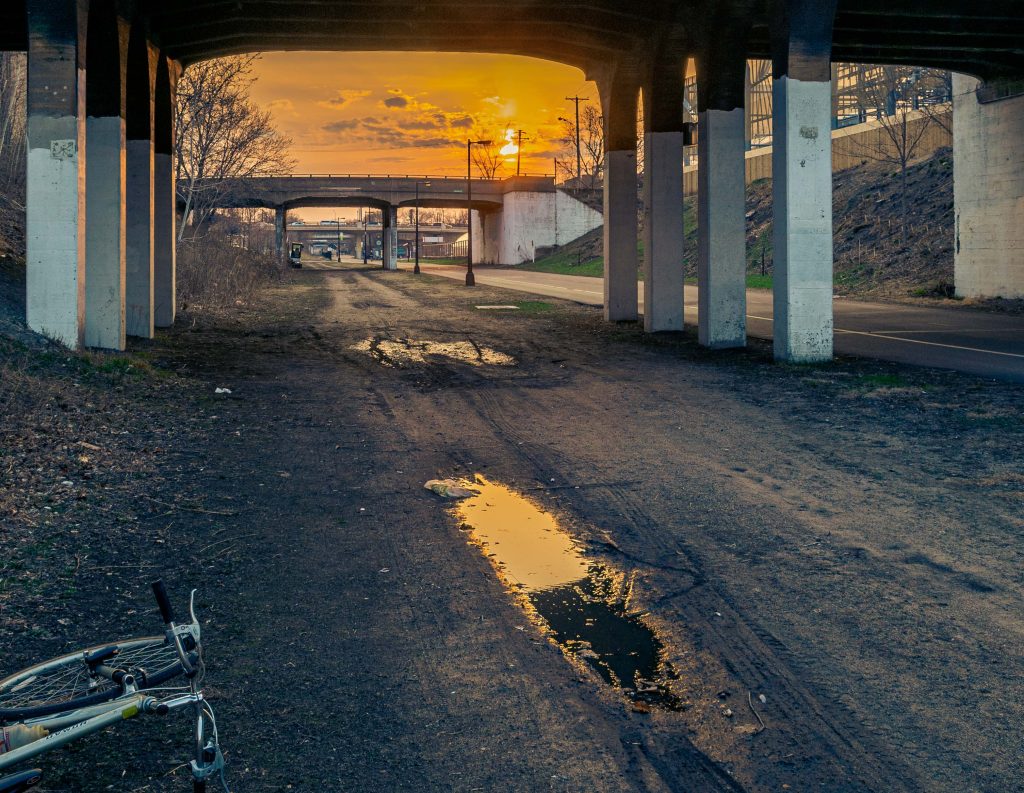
164 602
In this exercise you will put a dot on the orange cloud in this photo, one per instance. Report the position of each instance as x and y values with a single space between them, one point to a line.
412 112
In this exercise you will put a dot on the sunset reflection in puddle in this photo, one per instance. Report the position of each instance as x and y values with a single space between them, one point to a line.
581 604
399 353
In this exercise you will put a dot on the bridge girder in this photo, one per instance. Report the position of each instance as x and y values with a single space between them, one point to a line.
963 35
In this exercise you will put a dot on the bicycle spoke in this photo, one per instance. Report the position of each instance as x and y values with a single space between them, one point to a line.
70 679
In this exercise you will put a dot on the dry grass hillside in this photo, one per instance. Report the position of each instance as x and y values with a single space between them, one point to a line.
873 255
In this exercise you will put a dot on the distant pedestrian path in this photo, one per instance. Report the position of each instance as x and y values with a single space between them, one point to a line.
965 340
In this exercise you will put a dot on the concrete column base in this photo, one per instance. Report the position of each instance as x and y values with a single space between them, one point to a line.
988 193
802 191
139 239
165 241
721 261
55 227
620 236
663 231
105 233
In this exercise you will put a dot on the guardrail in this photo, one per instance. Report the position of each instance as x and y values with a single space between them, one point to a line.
444 250
418 177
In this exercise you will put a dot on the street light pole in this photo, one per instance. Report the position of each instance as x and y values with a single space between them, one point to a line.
416 266
579 168
337 227
364 237
470 278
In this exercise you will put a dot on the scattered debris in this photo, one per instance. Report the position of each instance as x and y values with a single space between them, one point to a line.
449 488
750 702
222 390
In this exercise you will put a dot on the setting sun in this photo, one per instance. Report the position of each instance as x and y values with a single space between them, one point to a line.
373 112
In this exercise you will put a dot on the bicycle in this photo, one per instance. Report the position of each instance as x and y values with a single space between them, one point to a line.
51 704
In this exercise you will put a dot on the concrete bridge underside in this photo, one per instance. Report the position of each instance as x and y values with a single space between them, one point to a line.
102 76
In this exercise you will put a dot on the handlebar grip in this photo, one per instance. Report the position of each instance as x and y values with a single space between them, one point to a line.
164 602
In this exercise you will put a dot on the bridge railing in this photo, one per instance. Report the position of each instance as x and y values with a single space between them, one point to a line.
444 250
417 177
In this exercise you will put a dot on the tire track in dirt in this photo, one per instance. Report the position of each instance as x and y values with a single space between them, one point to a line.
827 749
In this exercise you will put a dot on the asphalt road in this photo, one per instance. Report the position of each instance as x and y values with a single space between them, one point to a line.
965 340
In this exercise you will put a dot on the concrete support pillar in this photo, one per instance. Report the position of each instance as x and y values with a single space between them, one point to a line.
280 232
393 263
663 195
988 190
802 239
55 191
721 195
139 197
165 209
802 181
385 237
619 105
389 245
105 179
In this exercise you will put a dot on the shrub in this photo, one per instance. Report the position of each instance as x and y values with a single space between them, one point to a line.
213 273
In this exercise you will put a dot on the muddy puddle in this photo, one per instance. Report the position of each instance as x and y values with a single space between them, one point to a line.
400 353
581 604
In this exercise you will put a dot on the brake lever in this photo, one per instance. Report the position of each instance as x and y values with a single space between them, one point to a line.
192 614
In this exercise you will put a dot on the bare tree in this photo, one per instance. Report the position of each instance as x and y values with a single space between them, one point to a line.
940 115
251 228
488 159
896 96
221 136
12 152
591 139
452 217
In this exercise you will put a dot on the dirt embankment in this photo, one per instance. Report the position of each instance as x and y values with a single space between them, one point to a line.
881 249
842 540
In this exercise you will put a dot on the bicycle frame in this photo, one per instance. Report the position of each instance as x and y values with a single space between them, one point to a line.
64 728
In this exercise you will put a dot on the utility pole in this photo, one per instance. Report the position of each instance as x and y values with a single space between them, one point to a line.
519 151
470 277
579 168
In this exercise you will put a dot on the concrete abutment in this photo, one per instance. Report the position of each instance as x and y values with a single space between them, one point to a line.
988 192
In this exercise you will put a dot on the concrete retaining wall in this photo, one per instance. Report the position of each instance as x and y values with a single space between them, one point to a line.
529 221
988 190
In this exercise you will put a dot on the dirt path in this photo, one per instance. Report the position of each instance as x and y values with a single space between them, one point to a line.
843 540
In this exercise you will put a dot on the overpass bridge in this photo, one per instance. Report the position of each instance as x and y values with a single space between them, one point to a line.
354 236
514 217
102 76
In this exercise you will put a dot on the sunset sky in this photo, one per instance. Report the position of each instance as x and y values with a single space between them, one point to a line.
412 112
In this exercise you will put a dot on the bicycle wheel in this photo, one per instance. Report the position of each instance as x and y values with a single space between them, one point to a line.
66 683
